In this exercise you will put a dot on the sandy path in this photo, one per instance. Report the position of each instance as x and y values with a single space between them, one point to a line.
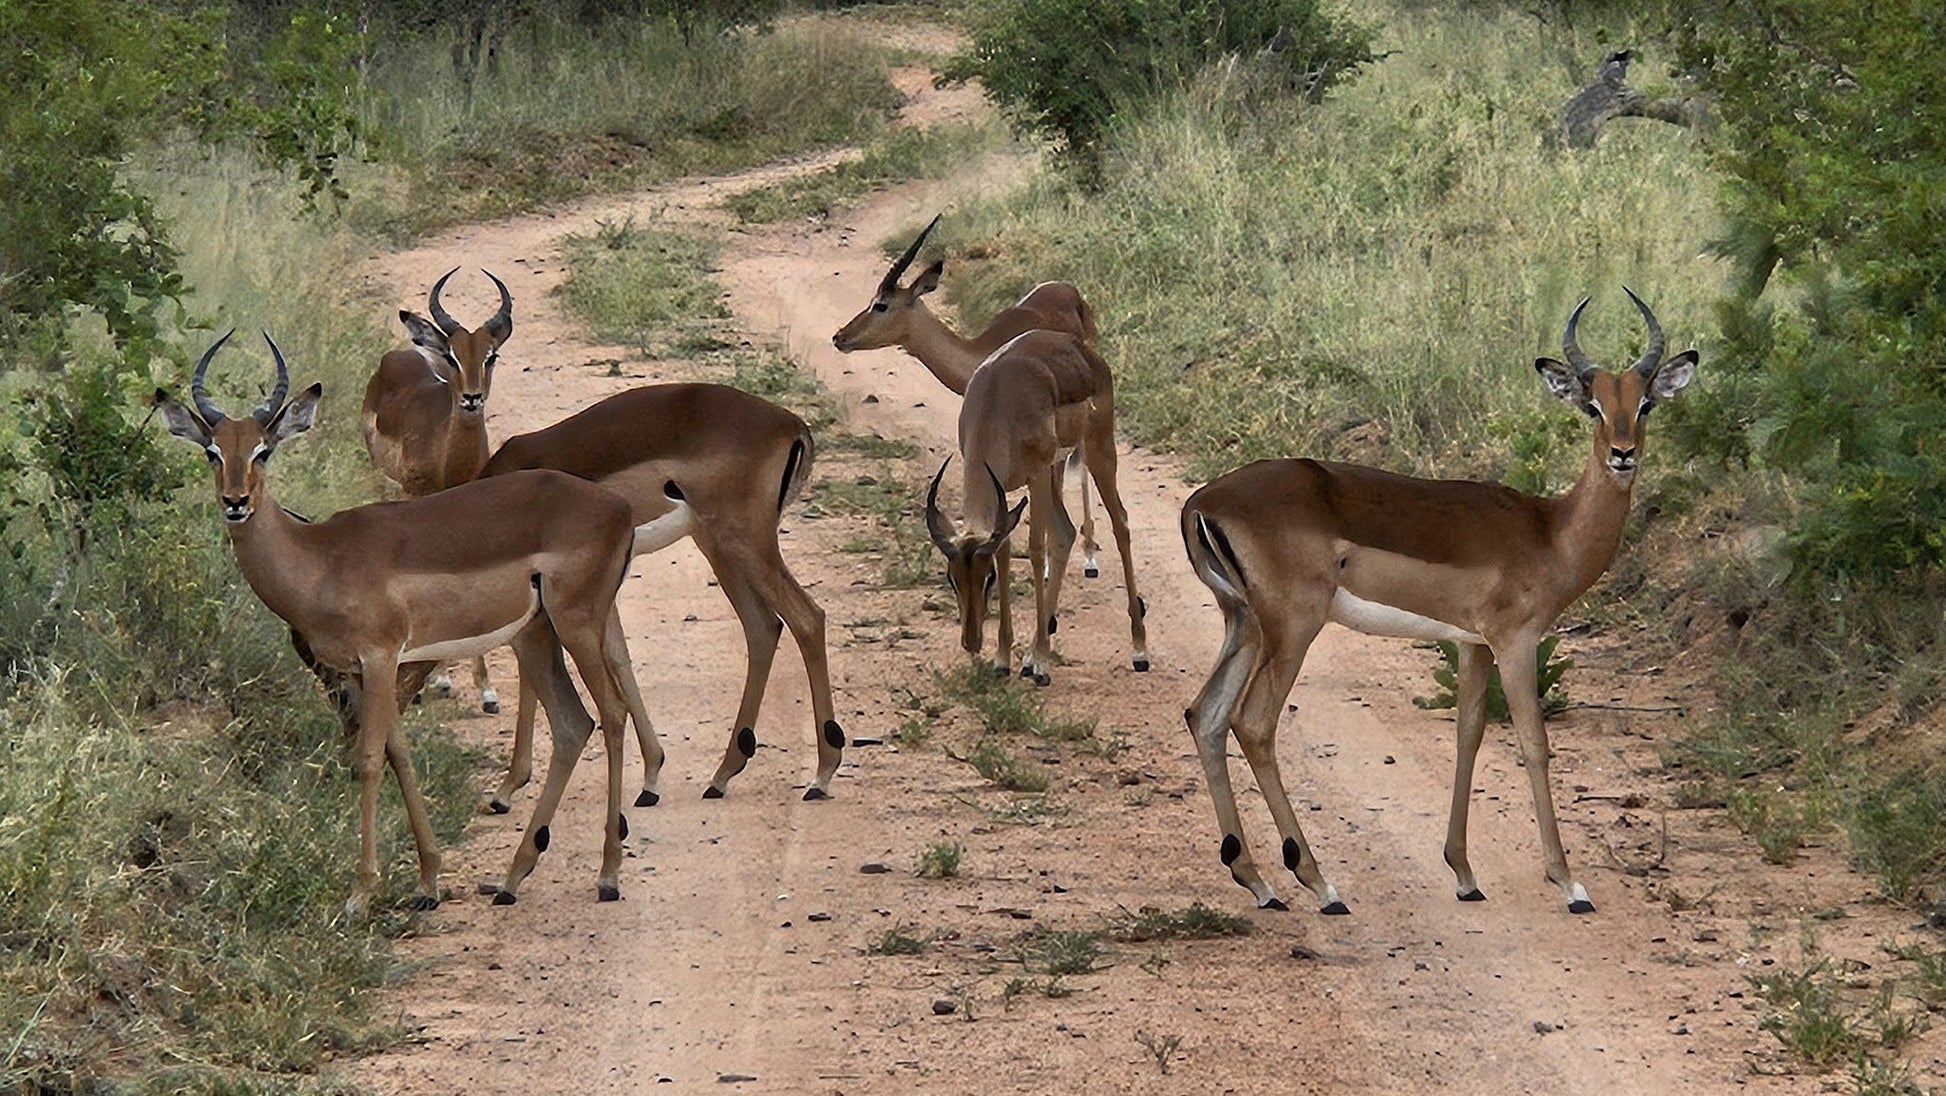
714 966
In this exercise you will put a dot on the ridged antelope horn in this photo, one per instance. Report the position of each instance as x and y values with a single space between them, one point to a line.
936 527
501 324
1651 358
273 402
1572 348
892 276
439 314
211 413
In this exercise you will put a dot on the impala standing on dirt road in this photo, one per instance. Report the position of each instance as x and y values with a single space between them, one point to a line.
899 317
425 411
1287 545
533 559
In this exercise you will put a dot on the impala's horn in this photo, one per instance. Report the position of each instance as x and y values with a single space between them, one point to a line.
440 316
892 276
205 407
1571 347
1651 358
501 324
936 527
268 409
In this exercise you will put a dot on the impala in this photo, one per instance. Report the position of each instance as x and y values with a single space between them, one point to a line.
897 316
1039 394
1287 545
425 409
717 465
533 559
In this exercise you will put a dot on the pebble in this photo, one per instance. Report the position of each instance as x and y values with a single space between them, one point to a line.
873 867
733 1078
1299 951
944 1006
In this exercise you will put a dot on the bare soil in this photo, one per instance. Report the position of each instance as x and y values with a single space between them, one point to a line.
743 946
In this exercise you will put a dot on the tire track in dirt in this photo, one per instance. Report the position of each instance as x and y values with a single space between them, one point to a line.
713 966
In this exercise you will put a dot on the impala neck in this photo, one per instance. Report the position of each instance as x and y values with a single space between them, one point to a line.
466 445
270 552
1589 519
949 356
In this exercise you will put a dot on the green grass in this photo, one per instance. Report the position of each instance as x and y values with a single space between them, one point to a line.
891 502
897 156
995 763
647 288
895 941
1193 922
940 861
1062 952
570 110
1004 706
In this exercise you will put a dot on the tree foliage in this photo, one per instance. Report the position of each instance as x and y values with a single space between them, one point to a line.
1832 139
1063 68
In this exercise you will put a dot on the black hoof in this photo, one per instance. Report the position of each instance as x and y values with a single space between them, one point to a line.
1581 905
504 898
647 799
1273 904
1335 909
1043 680
815 792
1026 670
422 902
1091 572
608 893
712 792
499 806
1141 665
491 707
1474 895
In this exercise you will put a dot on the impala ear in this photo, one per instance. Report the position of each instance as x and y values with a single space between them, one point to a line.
1562 380
181 421
423 332
928 279
1674 376
1013 519
295 417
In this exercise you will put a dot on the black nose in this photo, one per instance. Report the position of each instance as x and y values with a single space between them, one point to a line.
471 401
1621 456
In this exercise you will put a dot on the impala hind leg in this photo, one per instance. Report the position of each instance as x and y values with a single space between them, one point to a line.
541 666
1475 661
616 650
1518 675
1075 468
1003 573
1100 456
520 762
806 621
1050 537
1256 730
762 628
1209 720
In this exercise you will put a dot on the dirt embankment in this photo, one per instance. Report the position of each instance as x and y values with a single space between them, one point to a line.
745 946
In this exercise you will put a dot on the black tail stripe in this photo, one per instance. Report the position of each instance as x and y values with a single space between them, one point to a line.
790 473
1209 529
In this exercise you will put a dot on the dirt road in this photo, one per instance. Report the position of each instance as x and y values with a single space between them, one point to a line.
743 948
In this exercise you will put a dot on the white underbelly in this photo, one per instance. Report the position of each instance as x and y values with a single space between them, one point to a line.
469 646
1378 619
654 536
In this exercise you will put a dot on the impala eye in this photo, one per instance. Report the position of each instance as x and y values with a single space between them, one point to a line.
879 306
1593 409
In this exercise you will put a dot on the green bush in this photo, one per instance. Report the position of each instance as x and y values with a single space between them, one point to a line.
1064 68
1550 670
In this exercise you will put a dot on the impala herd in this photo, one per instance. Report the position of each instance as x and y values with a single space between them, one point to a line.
528 546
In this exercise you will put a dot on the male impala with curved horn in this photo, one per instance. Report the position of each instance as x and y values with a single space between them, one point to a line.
1287 545
533 559
425 408
717 465
1039 394
898 317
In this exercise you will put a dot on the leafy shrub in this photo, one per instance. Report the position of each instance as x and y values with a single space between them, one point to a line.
1064 68
1548 686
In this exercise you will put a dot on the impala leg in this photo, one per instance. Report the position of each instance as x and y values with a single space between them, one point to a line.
1518 675
489 698
377 720
399 754
1256 731
806 622
761 630
1474 663
1209 720
597 647
1090 567
1059 547
1042 502
1003 573
638 712
541 665
520 763
1101 465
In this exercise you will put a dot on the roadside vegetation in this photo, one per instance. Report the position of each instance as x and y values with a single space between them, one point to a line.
177 824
